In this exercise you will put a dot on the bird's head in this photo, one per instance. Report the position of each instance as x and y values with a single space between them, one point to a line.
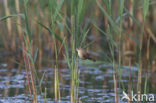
79 49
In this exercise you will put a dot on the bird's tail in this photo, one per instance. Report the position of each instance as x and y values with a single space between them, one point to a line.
92 59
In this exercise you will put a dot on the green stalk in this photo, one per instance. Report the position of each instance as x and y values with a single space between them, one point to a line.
120 39
145 10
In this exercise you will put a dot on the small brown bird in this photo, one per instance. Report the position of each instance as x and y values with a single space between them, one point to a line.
84 55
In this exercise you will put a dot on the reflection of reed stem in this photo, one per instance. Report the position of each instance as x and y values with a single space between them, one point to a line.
7 90
115 87
129 86
57 89
139 78
28 82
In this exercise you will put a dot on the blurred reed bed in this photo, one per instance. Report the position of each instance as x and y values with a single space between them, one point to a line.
129 18
50 31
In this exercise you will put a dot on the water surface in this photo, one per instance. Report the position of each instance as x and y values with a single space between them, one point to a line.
96 84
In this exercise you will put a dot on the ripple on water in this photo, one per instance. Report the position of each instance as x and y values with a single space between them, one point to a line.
96 84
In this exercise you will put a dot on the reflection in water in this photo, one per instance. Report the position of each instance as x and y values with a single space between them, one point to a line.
96 84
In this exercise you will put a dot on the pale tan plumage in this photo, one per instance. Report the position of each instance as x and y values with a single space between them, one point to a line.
84 55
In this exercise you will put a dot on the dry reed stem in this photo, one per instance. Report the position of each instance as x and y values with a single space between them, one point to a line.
7 11
129 45
9 27
5 42
27 74
19 29
30 67
8 24
153 71
148 50
151 34
32 79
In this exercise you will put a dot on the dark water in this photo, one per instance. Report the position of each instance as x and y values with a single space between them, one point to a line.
96 84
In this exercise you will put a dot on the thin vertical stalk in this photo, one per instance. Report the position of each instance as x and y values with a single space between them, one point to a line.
129 84
45 96
30 68
9 27
7 11
145 10
121 3
56 85
115 86
28 50
19 29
